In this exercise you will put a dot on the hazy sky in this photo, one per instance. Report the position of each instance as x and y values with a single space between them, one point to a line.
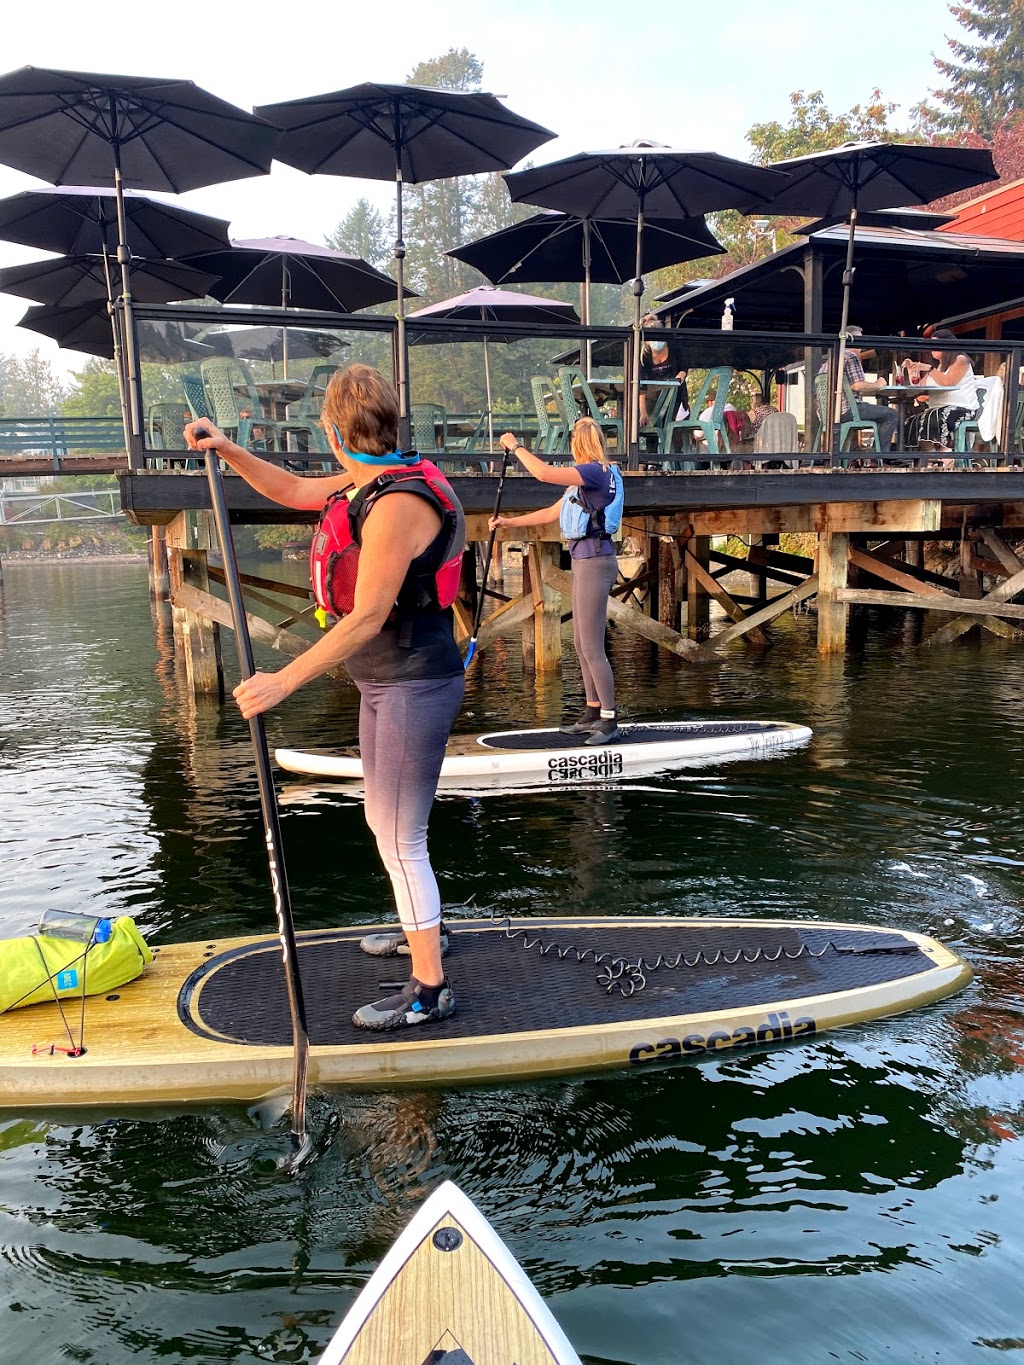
692 75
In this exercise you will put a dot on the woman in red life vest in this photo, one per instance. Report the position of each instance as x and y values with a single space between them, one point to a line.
397 641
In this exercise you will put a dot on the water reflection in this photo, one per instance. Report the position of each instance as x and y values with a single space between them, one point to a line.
856 1197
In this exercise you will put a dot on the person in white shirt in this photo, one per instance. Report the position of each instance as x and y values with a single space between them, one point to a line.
954 374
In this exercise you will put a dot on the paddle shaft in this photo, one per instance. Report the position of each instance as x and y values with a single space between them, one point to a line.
487 556
268 803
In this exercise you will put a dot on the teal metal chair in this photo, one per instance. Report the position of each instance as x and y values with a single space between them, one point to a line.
968 431
234 403
578 401
712 428
659 416
551 430
851 423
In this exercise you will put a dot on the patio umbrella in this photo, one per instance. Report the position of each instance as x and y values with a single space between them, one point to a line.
559 246
79 219
496 307
268 343
870 175
631 182
288 273
406 132
86 327
81 128
83 279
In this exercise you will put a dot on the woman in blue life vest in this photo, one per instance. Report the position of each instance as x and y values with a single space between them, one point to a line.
403 658
589 512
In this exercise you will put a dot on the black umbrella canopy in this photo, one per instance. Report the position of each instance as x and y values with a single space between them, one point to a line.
894 218
667 182
553 247
82 279
69 127
873 175
405 133
86 327
268 343
372 131
76 219
288 273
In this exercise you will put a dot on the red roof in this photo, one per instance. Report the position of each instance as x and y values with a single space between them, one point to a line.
999 213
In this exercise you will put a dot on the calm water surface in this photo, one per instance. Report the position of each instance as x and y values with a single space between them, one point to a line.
858 1198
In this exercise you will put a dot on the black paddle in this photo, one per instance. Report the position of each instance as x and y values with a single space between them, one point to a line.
271 822
487 561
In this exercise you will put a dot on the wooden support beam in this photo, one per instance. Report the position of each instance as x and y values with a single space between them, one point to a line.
891 573
634 620
728 604
776 607
1002 593
189 539
547 608
698 600
159 579
833 551
669 562
194 600
505 620
879 597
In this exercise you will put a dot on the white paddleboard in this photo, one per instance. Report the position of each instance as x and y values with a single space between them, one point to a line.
449 1292
549 757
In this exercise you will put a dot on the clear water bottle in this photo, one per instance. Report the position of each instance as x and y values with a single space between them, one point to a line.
728 313
71 925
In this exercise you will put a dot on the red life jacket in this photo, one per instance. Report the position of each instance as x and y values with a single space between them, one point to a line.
432 583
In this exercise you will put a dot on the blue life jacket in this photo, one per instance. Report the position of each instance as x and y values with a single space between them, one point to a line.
577 521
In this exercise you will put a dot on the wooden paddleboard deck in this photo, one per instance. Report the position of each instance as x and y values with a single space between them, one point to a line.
539 997
449 1292
526 757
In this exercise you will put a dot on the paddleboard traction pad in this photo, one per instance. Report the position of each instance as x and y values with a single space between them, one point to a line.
676 732
530 978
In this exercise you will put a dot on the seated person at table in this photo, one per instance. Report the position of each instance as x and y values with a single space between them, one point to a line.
886 418
759 410
955 373
660 360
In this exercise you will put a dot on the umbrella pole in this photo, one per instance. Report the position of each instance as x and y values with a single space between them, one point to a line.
118 354
633 416
478 617
133 428
285 295
487 386
403 353
271 819
585 296
844 320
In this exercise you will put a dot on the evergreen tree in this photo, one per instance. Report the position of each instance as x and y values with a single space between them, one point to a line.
29 385
367 233
985 78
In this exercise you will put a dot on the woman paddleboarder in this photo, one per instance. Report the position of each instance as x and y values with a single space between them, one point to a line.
589 512
385 560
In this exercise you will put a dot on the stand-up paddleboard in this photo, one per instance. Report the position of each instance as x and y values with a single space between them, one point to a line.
527 757
449 1292
541 997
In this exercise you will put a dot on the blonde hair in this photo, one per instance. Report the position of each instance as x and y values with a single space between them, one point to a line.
587 442
361 403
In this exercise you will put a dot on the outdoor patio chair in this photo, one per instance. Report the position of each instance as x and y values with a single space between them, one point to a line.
712 428
195 395
234 403
164 425
429 428
659 416
578 401
967 435
462 446
778 434
551 432
303 415
824 397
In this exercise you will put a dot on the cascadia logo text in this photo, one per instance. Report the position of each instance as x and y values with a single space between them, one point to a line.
569 766
777 1028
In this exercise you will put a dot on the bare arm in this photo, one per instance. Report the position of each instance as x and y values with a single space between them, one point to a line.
544 517
275 483
567 476
952 374
402 526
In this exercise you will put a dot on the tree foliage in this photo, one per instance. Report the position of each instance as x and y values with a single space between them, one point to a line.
29 386
984 78
812 127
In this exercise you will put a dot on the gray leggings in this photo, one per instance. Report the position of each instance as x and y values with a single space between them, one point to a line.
403 730
592 581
